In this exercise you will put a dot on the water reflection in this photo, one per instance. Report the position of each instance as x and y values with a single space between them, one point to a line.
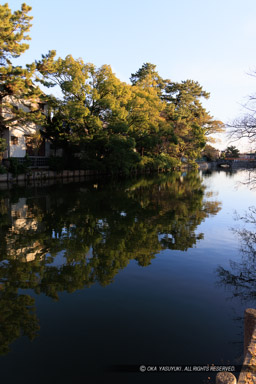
241 278
67 238
229 172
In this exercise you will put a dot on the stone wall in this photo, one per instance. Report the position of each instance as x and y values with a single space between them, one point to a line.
44 175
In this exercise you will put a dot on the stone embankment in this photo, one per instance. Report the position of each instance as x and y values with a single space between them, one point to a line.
248 372
44 175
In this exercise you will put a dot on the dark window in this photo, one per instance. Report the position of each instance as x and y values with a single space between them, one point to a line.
14 140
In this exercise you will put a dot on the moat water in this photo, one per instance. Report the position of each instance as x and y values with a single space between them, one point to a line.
100 277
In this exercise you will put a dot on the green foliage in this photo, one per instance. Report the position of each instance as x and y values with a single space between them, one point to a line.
166 162
165 120
121 156
99 121
190 122
232 151
19 97
13 27
16 167
161 162
210 153
3 145
147 163
148 77
3 170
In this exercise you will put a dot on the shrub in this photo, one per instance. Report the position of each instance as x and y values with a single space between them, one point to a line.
2 145
3 170
57 163
166 162
16 167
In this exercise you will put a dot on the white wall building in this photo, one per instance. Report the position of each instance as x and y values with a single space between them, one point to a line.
21 138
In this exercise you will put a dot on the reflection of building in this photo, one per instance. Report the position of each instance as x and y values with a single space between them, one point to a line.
23 138
21 242
25 254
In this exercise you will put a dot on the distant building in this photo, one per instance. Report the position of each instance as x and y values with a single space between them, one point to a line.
247 156
21 138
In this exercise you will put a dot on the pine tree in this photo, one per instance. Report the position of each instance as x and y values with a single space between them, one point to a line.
19 96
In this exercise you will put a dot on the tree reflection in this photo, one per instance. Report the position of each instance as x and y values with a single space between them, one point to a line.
17 318
65 239
249 178
242 276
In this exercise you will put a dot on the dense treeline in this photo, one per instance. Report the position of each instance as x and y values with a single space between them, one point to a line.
98 121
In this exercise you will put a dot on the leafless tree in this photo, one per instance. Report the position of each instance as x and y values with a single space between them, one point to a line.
245 126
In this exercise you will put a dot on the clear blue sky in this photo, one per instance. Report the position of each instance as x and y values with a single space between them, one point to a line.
211 41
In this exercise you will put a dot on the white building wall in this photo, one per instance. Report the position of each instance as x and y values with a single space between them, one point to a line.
19 150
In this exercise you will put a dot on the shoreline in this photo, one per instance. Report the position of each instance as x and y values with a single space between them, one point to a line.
40 175
45 174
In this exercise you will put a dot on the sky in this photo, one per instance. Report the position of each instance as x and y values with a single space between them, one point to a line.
209 41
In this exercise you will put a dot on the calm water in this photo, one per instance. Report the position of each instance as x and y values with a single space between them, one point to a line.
101 274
